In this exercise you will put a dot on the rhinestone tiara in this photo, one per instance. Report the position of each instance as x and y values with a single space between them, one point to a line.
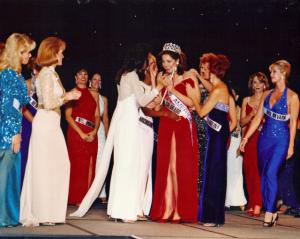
172 47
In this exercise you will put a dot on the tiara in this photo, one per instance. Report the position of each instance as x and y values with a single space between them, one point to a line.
172 47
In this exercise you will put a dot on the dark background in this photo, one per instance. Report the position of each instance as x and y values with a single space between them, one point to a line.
253 34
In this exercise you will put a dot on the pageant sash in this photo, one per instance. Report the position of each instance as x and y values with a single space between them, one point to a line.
33 103
146 121
276 116
184 111
213 124
85 122
171 107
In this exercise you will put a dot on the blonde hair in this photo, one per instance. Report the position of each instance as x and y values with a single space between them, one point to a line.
261 77
48 50
284 66
15 45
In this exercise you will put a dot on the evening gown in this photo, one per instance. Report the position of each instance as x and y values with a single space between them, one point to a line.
46 183
26 129
186 164
235 195
273 145
82 154
13 96
251 172
202 139
212 198
124 137
101 143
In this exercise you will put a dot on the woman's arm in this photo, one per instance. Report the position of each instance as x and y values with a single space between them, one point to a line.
245 119
255 122
93 133
209 104
232 114
105 118
71 122
294 112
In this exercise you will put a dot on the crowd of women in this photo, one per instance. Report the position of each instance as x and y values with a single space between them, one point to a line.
206 144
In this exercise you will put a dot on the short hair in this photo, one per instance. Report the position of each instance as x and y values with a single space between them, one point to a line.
261 77
48 50
284 66
15 45
218 64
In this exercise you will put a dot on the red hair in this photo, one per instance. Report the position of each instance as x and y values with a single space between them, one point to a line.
218 64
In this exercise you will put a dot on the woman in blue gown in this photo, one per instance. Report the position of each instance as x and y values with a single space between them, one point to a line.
13 96
212 199
280 107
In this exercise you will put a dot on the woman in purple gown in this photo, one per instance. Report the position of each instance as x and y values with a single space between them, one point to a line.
28 114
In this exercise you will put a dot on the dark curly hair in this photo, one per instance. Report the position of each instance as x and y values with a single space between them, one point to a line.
176 56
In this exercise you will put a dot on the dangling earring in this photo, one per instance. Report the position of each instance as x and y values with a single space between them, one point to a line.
90 84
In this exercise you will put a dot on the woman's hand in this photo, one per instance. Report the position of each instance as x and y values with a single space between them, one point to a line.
16 143
73 95
91 136
172 115
290 152
243 144
84 136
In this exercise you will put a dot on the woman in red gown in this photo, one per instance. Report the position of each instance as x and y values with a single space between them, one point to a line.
258 83
175 192
84 119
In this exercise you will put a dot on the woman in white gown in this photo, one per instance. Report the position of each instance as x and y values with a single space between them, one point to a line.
124 136
235 195
46 183
95 84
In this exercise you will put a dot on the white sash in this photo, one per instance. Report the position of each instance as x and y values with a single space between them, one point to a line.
85 122
276 116
33 103
184 111
213 124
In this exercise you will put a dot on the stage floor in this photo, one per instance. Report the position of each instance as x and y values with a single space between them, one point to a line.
96 225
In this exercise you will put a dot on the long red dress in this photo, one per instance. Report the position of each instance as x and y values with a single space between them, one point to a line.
251 172
186 165
82 154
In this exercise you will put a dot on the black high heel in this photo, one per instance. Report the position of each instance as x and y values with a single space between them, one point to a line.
271 223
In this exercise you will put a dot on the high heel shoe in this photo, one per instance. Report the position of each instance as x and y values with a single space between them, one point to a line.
271 223
165 220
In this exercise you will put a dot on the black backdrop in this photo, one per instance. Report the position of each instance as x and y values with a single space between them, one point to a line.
253 33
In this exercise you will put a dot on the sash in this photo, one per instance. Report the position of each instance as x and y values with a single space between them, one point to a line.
213 124
146 121
33 103
85 122
171 107
276 116
184 111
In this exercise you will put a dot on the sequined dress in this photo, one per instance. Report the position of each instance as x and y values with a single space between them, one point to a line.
13 95
273 145
202 139
212 198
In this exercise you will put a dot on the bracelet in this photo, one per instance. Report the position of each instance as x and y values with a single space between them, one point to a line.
245 139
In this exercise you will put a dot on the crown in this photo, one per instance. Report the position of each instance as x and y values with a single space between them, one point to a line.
172 47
